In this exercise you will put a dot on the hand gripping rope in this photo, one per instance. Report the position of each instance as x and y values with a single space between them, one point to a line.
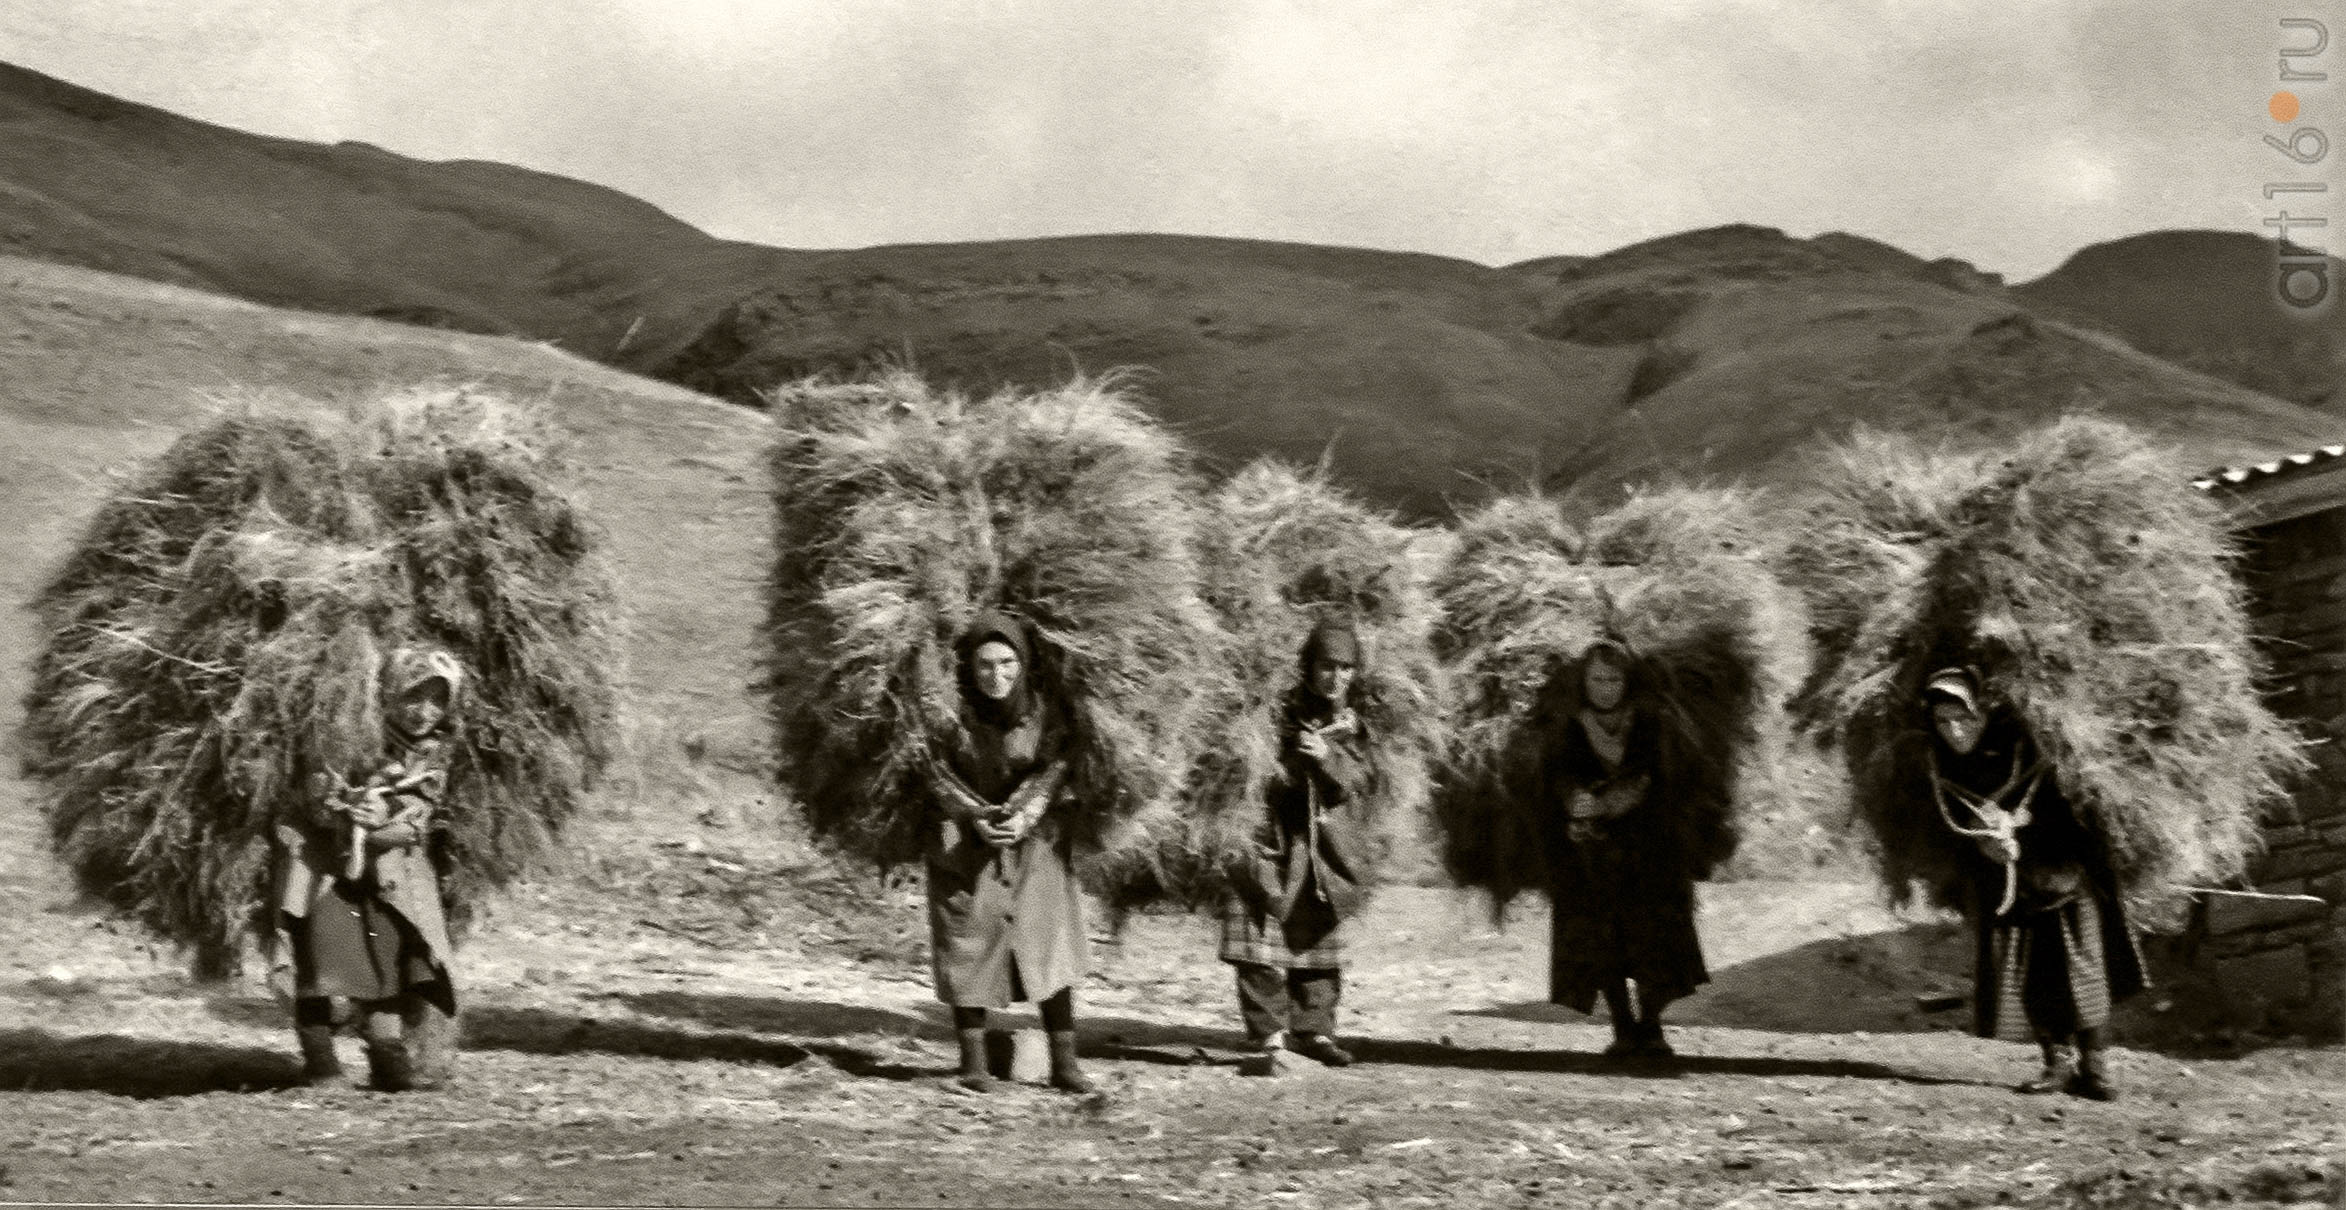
1344 725
1995 820
393 780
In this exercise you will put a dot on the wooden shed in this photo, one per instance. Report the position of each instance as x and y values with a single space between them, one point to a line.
2278 966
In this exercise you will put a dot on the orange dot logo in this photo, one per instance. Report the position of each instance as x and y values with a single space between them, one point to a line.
2283 106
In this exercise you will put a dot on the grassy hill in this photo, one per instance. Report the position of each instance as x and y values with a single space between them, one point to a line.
90 180
99 371
1425 379
1749 345
2204 300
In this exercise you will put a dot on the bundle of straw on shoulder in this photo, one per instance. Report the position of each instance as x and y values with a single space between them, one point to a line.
1285 551
903 513
1679 575
2093 589
214 640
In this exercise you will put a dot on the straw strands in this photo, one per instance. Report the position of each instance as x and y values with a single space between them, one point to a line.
1678 574
2092 586
903 512
1284 551
216 637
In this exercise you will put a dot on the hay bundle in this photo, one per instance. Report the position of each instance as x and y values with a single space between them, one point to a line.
217 636
2092 587
1283 552
903 513
1678 574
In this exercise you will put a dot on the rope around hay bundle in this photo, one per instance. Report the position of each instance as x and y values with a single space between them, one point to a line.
1996 820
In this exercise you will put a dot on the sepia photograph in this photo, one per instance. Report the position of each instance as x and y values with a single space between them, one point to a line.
1144 603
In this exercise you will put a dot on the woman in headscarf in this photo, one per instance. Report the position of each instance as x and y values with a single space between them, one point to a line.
1621 877
1283 926
2054 948
358 895
1005 912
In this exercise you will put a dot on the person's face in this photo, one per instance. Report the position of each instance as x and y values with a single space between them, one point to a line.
421 707
1959 725
995 668
1331 677
1604 684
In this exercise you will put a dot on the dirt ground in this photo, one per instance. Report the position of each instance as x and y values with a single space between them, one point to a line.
701 1014
732 1027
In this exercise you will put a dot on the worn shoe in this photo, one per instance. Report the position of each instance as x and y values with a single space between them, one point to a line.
1266 1057
1650 1044
2091 1081
1321 1047
2059 1074
1066 1071
1266 1063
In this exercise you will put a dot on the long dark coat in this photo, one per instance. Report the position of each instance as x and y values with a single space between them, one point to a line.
371 937
2064 953
1314 852
1623 904
1005 925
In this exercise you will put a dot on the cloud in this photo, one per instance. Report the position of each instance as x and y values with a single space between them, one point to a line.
1498 131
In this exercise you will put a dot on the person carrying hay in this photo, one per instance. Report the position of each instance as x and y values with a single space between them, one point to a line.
2037 662
1621 882
1006 914
1284 922
2054 948
358 896
1621 676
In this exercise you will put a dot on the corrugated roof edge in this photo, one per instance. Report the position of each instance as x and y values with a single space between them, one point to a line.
2235 477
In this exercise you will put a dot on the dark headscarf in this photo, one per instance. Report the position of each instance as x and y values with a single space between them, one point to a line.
1334 639
1337 640
994 626
1615 650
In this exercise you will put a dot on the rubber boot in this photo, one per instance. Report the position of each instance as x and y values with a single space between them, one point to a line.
313 1029
1066 1072
389 1067
974 1076
431 1036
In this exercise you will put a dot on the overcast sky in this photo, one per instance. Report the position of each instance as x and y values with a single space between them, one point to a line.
2004 132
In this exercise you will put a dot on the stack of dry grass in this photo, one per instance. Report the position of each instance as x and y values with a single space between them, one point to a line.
904 512
1680 575
2092 586
1285 551
216 637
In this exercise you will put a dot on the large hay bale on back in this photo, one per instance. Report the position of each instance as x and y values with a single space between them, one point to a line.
2093 587
905 512
1283 552
216 637
1682 576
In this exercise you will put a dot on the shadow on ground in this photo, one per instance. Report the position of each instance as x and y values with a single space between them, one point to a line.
39 1060
543 1031
1909 980
1917 980
1132 1040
